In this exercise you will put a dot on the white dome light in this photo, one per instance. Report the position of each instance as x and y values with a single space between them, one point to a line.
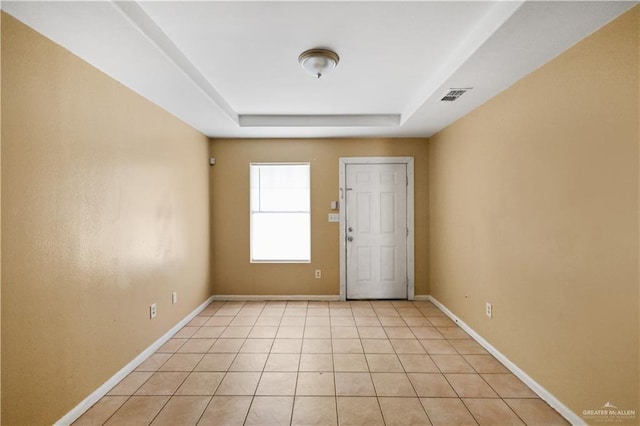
318 62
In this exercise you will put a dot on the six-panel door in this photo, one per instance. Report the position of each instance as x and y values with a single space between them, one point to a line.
376 231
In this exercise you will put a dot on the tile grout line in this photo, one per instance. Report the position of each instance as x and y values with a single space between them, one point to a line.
129 397
118 409
192 371
192 337
407 374
217 386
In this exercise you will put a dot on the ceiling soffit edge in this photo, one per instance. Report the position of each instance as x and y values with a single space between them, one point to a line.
476 37
143 22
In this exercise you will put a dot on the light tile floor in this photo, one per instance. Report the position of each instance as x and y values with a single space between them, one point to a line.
321 363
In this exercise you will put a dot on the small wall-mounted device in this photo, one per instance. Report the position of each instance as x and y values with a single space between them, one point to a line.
153 310
335 205
212 161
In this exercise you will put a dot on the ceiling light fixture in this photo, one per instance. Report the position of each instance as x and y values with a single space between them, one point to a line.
318 62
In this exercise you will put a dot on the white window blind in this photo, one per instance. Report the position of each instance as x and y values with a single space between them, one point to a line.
280 212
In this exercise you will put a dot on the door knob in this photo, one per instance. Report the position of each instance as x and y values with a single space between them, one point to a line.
349 238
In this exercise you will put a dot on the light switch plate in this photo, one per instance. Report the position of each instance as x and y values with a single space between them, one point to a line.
334 217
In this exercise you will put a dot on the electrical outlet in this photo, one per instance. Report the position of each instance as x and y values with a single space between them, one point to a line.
318 273
174 297
489 309
153 310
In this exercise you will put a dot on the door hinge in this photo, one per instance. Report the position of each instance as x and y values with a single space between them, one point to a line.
407 180
407 232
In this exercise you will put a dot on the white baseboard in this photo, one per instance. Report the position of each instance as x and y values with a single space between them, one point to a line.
88 402
311 297
547 396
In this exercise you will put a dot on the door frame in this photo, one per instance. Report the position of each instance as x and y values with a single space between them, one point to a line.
342 167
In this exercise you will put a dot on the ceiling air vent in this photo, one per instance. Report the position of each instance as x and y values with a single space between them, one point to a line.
454 94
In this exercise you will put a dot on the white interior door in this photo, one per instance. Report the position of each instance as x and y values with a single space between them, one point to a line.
376 231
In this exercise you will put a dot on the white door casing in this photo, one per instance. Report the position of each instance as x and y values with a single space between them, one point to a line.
376 228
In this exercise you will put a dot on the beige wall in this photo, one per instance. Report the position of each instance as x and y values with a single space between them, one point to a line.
231 271
530 202
104 211
534 207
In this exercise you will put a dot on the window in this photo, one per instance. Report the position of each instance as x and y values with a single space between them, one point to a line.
280 212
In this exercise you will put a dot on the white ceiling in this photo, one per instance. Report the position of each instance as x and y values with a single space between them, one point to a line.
230 68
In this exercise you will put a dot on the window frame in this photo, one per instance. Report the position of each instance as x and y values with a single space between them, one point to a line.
251 212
